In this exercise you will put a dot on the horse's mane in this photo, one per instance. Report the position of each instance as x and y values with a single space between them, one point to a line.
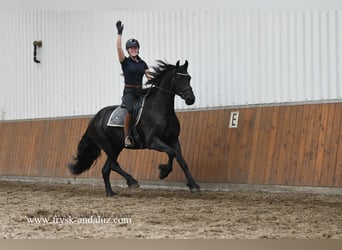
159 72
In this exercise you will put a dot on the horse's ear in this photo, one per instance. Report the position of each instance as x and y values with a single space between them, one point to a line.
177 64
186 64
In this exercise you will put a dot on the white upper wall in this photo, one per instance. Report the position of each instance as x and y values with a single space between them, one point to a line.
119 5
236 57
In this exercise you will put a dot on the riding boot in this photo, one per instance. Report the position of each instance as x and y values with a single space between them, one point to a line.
127 125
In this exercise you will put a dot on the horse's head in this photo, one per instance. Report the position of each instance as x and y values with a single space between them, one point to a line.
174 80
181 81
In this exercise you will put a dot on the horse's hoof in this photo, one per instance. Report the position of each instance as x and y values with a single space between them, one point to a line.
194 188
134 185
111 194
163 171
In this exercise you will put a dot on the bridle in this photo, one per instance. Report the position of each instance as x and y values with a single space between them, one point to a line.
181 94
182 74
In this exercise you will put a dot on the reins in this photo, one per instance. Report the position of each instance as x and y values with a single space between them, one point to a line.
165 90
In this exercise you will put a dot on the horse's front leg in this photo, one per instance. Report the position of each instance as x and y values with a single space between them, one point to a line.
175 151
191 181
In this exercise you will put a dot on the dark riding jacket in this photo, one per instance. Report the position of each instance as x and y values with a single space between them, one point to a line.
133 73
133 70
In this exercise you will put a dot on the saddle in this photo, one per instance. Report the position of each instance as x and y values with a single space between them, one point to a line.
116 119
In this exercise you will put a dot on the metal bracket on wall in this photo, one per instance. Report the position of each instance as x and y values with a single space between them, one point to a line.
35 45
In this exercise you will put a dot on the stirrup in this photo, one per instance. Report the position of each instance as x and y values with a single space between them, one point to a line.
129 142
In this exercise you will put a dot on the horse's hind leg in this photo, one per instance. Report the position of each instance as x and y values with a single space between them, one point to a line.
131 182
105 174
165 170
113 154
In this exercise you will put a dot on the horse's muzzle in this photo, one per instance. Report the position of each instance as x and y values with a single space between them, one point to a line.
189 96
189 99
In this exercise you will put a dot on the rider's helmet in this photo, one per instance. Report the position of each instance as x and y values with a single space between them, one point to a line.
132 43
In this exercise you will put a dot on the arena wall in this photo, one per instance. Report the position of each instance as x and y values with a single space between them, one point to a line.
284 145
280 68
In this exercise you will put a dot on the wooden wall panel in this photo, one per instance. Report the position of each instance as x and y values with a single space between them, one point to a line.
332 172
287 145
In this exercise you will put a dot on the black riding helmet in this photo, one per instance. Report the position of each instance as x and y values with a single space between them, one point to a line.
132 43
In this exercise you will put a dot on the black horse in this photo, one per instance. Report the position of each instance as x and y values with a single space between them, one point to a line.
158 128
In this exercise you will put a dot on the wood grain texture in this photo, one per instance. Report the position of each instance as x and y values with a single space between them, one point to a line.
285 145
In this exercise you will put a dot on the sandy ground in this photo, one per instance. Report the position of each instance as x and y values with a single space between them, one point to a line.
52 211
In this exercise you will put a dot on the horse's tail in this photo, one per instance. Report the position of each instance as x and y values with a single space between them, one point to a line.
87 152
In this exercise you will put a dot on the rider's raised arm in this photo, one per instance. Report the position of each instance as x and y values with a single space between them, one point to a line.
121 54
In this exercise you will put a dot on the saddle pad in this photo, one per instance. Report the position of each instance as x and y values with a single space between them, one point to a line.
116 119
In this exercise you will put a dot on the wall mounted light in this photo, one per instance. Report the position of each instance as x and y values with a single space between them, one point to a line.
35 45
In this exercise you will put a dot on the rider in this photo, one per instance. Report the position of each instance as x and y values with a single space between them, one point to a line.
134 68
